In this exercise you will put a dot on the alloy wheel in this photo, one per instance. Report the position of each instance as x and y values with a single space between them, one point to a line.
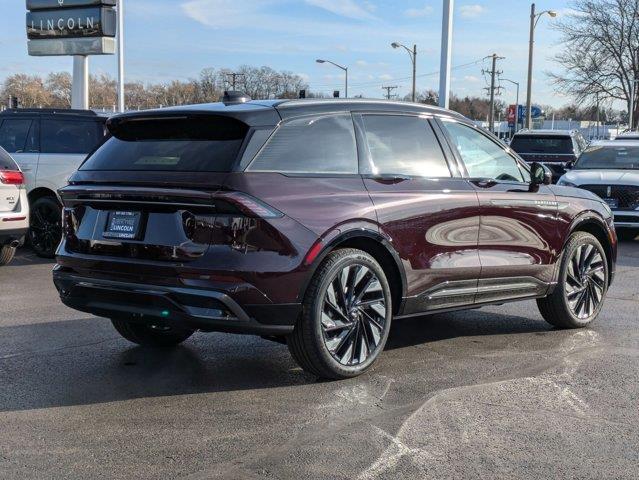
353 314
45 228
585 281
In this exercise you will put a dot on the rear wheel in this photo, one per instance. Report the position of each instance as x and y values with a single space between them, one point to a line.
45 229
6 254
152 335
345 318
582 286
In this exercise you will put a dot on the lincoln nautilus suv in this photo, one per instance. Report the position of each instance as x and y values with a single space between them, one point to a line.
317 224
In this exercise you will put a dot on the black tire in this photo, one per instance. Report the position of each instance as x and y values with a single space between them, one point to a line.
151 335
627 234
45 229
6 255
362 328
556 308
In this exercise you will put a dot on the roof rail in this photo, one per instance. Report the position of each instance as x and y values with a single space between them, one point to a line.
49 111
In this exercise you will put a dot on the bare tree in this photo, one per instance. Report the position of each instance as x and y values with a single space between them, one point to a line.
601 51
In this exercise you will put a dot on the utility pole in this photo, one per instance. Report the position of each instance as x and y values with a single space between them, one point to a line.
493 76
389 89
234 77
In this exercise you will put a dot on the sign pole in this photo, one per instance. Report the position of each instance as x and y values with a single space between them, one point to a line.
446 55
80 88
121 105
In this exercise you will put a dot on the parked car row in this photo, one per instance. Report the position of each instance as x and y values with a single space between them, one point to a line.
48 145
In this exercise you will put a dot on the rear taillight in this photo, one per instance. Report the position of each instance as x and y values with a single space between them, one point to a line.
11 178
249 205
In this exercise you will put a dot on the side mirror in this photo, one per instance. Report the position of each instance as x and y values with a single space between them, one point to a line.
570 164
540 174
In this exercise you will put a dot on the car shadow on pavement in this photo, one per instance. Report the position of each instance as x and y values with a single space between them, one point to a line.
25 256
80 362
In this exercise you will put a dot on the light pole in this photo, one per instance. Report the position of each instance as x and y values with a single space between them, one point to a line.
534 19
120 13
319 60
413 58
516 102
446 54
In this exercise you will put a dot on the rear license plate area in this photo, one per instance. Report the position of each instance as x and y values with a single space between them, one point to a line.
123 225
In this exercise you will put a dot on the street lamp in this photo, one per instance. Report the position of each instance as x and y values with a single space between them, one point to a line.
338 66
413 58
516 103
534 19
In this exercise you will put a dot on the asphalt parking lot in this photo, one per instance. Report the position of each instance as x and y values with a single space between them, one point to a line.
490 393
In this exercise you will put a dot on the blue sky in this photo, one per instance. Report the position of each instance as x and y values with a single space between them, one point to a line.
176 39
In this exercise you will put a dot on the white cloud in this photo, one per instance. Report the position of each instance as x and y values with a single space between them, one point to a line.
471 11
471 79
419 12
343 8
386 76
361 63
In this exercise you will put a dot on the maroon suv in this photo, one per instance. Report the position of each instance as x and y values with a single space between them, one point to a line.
317 223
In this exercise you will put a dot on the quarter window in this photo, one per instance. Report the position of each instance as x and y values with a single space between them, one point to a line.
315 145
483 157
403 145
60 136
13 134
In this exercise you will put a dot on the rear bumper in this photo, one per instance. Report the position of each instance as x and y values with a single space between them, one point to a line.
192 308
11 235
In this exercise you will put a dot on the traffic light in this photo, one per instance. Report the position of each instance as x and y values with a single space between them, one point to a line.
302 93
336 94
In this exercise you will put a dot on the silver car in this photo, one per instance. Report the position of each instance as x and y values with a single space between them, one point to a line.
610 169
14 207
48 145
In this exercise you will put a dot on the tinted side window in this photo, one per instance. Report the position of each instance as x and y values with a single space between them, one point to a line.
69 136
324 144
404 145
483 157
13 134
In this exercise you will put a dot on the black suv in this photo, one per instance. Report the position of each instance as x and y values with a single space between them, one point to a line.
557 149
48 145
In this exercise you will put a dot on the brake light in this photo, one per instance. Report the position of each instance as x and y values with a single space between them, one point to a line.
250 206
11 178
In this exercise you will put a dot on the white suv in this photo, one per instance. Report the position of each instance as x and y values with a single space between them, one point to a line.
14 207
48 145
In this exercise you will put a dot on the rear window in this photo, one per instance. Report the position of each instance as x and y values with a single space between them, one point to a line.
70 136
542 144
6 162
172 144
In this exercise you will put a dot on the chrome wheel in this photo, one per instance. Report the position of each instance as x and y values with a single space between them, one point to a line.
585 281
354 311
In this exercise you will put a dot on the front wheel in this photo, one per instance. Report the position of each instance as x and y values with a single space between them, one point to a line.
45 229
582 284
345 318
151 335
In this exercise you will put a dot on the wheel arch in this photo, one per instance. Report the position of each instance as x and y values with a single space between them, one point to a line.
379 248
40 192
594 225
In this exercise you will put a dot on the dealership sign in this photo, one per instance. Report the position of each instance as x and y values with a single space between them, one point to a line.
71 27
